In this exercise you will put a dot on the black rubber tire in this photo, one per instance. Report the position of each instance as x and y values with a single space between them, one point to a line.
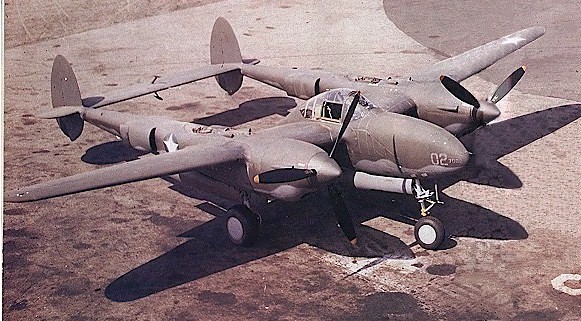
242 225
431 230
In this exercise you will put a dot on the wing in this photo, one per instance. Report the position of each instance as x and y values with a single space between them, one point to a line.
473 61
159 84
142 169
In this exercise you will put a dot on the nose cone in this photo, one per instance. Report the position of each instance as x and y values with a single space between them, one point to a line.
326 167
451 156
459 155
487 112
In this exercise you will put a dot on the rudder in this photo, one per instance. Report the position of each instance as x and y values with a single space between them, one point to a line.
65 92
224 49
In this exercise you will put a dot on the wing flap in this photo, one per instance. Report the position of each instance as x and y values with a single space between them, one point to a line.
155 166
473 61
160 83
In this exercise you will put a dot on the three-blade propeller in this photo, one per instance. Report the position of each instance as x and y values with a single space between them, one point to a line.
287 175
483 111
339 208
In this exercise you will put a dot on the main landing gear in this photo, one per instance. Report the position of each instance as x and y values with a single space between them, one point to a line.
428 231
242 225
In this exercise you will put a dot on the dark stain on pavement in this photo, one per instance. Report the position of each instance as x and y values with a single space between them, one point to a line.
441 269
15 211
74 287
387 306
20 305
217 298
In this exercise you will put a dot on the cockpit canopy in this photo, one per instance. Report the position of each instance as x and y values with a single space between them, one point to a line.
333 104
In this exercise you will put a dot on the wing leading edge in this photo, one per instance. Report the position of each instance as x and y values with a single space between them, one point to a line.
155 166
475 60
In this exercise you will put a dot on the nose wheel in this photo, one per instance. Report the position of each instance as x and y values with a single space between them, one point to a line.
428 231
242 225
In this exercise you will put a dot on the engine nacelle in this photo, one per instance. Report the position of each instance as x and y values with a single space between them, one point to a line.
302 85
268 156
382 183
140 136
305 85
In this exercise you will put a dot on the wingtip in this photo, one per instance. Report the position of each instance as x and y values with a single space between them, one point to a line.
538 30
16 196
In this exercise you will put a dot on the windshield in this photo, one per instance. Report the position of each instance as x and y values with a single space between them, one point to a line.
331 105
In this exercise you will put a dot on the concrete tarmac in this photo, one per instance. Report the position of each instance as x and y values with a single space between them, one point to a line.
449 28
153 251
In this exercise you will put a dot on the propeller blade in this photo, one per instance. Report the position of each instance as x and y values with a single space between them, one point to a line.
346 121
459 91
342 214
283 175
507 84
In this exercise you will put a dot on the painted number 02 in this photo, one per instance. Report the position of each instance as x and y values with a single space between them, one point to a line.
439 159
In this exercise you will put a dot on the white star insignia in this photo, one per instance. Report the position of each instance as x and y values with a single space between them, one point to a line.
170 143
513 40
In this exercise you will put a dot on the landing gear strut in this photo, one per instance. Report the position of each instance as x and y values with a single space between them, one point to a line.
428 231
242 225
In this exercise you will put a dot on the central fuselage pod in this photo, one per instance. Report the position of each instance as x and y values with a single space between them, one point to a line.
397 145
385 143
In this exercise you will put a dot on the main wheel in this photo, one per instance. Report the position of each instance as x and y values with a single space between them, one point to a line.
242 225
429 232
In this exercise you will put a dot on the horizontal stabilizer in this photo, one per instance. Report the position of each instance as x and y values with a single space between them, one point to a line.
159 84
58 112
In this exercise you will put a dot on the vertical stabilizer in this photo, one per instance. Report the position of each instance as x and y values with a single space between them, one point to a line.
224 49
65 92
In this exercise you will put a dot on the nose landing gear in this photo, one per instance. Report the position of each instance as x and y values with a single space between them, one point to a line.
428 231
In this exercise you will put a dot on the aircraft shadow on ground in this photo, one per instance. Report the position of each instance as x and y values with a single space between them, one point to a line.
310 221
210 251
249 111
110 153
460 218
499 139
286 225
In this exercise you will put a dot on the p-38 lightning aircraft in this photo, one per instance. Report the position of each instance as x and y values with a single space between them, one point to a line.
381 145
